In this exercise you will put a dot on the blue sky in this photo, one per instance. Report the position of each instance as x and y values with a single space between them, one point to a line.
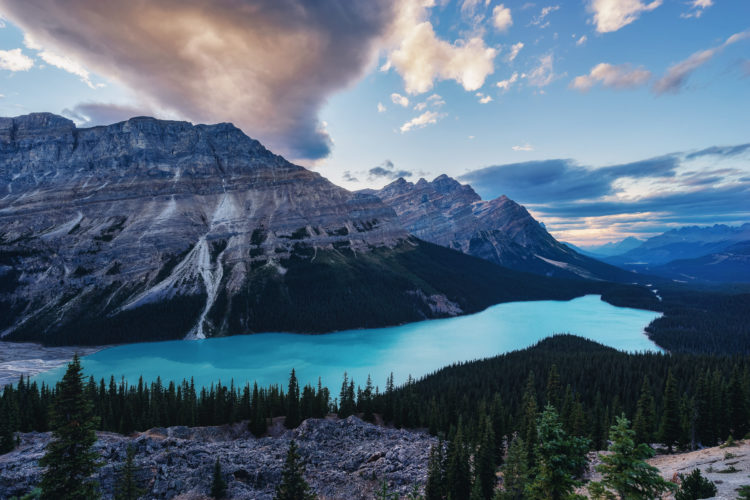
363 91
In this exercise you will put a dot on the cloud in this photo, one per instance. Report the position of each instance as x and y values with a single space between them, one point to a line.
611 15
381 108
514 50
267 66
348 177
581 40
421 57
677 75
402 101
725 151
436 100
426 118
544 74
696 9
484 99
387 170
14 60
562 180
501 18
64 63
622 76
506 84
540 19
525 147
581 202
97 113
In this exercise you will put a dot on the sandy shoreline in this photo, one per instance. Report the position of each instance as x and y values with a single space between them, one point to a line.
29 359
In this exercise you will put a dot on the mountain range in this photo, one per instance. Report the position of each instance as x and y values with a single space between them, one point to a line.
150 229
453 215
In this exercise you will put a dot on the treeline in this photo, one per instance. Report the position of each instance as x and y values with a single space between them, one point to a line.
706 397
590 385
124 408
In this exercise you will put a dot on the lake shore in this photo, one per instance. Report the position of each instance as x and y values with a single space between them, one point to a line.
29 359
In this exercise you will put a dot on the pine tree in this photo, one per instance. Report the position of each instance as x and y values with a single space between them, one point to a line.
435 487
554 388
367 401
70 462
292 419
7 423
738 407
457 471
695 486
528 422
293 485
257 414
515 472
670 429
484 463
218 484
645 415
560 459
127 485
625 470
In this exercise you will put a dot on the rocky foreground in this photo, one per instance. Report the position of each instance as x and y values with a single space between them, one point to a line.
344 459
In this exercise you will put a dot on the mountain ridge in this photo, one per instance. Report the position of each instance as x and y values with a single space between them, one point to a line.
501 231
149 229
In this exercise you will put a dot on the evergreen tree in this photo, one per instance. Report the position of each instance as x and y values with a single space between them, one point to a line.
292 419
70 462
645 415
435 487
561 458
515 472
293 485
127 485
670 428
257 414
695 486
346 398
738 408
554 388
625 470
367 401
457 471
528 422
7 423
218 484
484 463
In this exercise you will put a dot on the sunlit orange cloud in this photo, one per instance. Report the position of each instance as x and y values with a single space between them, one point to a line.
599 230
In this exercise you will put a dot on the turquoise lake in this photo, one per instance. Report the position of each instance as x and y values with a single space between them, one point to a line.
414 349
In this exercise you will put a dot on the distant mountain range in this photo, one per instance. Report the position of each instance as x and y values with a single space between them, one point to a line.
609 249
729 265
150 229
453 215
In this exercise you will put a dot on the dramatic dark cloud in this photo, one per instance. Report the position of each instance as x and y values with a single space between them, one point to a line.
388 171
585 203
265 65
561 180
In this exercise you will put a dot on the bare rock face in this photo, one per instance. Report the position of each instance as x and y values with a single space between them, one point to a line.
344 459
147 212
453 215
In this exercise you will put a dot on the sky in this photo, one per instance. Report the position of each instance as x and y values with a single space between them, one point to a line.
605 118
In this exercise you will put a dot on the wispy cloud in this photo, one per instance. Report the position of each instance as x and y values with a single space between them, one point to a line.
677 75
505 85
514 51
501 18
525 147
697 7
399 99
426 118
623 76
541 20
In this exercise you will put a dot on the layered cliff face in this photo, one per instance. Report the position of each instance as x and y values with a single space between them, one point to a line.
453 215
150 229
